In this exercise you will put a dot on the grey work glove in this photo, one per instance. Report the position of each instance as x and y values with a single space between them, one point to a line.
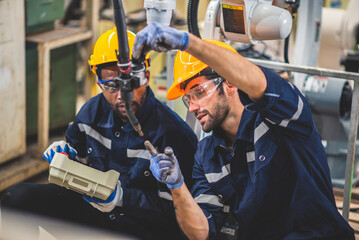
160 38
165 168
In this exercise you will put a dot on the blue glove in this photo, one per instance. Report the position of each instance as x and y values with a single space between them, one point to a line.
159 38
60 147
166 169
115 199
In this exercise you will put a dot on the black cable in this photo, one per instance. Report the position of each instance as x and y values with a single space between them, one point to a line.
192 17
120 22
293 8
286 46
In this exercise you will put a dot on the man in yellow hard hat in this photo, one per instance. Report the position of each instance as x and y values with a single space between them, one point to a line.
263 173
102 137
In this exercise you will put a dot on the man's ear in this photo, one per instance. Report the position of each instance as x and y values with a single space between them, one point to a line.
231 89
147 75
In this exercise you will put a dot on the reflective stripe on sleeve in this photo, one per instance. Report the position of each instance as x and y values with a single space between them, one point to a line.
209 199
296 115
138 153
94 134
215 177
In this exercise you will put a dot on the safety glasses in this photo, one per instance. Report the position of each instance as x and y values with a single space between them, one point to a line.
201 92
111 86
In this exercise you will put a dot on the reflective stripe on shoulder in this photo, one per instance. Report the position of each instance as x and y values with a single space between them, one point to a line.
209 199
271 94
165 195
138 153
260 131
215 177
94 134
296 115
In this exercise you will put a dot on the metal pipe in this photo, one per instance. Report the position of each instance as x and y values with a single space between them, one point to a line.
351 151
323 72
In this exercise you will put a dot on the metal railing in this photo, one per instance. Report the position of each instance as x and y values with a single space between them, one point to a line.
354 116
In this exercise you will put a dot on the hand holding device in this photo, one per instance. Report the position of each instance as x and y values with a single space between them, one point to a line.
60 147
115 199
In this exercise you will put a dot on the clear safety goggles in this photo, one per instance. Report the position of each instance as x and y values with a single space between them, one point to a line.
201 92
111 86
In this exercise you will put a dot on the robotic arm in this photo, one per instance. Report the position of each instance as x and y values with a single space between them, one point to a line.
245 21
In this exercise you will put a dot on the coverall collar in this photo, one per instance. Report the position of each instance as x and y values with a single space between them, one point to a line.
244 132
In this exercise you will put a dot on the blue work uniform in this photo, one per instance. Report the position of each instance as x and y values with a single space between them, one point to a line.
275 181
107 144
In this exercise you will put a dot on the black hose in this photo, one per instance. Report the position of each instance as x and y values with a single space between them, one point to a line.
123 55
293 8
124 64
286 46
131 117
192 17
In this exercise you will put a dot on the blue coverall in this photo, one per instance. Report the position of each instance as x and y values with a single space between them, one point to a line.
104 143
275 181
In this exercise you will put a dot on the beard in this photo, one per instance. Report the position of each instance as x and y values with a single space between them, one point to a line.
120 111
216 118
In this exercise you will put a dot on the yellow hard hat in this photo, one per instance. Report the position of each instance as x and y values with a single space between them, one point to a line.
186 66
106 46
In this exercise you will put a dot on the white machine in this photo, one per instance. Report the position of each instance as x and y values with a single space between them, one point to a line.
248 21
245 21
159 11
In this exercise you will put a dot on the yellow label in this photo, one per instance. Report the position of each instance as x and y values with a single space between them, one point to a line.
232 7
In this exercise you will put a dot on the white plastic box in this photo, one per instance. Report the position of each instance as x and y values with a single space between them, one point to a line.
81 178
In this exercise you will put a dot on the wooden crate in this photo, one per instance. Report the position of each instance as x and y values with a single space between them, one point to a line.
12 80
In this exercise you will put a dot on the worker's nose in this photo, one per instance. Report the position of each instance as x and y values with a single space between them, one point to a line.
118 95
192 107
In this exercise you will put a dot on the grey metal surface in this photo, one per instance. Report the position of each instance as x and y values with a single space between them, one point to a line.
170 59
